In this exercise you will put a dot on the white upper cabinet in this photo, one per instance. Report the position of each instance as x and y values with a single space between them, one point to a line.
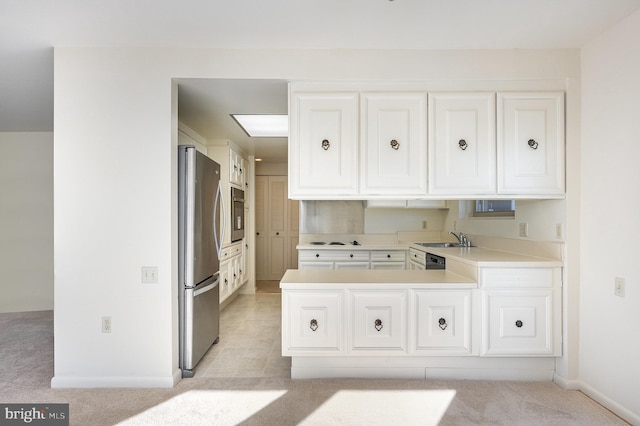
237 169
393 147
531 143
323 144
376 142
462 143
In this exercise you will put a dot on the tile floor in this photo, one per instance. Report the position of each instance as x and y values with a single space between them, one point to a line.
250 340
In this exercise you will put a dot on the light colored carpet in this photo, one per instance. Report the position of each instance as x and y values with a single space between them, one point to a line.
26 367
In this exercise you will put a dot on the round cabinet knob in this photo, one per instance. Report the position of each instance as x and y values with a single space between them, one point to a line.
442 323
378 324
532 144
257 233
462 144
519 323
351 255
277 233
313 325
326 144
395 144
388 256
317 254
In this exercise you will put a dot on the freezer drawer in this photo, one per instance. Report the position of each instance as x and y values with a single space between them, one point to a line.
201 325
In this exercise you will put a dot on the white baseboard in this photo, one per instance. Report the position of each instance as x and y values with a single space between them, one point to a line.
357 373
565 383
114 382
612 405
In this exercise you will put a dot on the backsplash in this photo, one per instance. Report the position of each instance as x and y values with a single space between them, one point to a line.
331 217
352 217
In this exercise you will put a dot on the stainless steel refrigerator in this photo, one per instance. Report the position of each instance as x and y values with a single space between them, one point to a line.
200 239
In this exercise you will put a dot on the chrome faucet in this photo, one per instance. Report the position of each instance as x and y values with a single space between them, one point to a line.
462 239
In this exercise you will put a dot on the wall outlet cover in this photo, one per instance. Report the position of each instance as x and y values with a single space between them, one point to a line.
524 229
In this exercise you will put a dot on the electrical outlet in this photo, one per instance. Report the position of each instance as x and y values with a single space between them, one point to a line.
150 274
106 324
524 229
619 287
558 231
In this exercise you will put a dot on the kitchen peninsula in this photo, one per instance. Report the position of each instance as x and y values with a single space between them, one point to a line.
489 315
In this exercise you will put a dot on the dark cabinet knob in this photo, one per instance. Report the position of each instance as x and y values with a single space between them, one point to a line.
351 255
442 323
317 254
388 256
378 324
313 325
519 323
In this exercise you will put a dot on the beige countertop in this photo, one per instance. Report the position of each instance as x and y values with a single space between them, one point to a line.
481 257
339 278
351 247
475 256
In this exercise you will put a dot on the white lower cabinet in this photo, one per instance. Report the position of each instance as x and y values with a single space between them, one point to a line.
521 312
378 321
442 322
389 259
232 269
312 322
351 259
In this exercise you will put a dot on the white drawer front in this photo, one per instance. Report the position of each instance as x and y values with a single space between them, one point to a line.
334 255
314 322
443 323
315 265
517 323
389 265
379 321
388 256
516 277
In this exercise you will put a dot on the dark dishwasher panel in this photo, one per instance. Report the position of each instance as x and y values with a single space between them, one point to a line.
434 261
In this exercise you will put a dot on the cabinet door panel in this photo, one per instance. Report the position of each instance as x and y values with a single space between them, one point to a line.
318 167
462 143
379 321
313 322
531 143
517 322
443 322
394 144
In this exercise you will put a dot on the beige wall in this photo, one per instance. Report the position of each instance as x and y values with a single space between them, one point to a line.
115 191
610 223
26 221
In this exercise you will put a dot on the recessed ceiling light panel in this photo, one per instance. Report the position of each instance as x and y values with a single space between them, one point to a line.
264 125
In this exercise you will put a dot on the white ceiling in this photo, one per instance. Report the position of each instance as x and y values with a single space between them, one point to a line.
29 29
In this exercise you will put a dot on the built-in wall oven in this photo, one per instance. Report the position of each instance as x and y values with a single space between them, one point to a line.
237 214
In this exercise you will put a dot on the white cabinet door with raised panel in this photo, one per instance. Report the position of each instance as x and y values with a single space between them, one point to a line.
531 143
378 321
323 144
518 322
312 322
462 143
443 322
393 148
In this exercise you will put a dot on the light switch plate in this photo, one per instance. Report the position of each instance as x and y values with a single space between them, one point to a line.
149 274
619 287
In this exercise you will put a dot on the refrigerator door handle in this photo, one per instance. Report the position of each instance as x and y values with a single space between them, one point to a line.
206 288
220 197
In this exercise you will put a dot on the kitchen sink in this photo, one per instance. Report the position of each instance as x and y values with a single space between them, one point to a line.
442 245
